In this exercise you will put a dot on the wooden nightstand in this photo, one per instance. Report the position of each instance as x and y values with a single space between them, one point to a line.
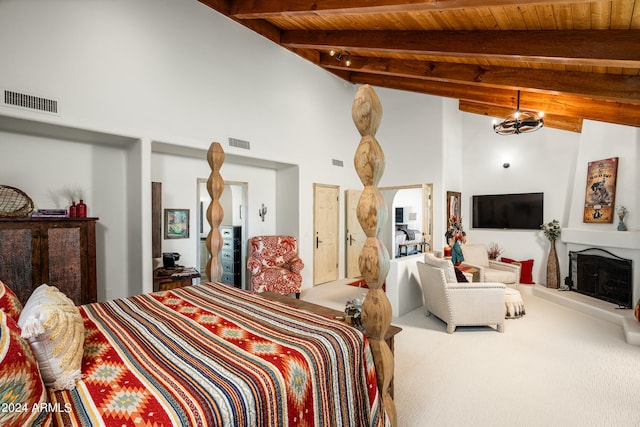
165 279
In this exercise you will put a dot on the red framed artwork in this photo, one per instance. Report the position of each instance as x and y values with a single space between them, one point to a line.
600 195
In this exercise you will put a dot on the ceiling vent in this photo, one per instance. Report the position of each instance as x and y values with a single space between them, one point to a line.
30 102
336 162
233 142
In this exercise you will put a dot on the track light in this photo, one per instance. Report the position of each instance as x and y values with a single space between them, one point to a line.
519 122
339 55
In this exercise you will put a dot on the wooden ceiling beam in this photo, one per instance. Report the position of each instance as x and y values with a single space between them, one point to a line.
261 27
252 9
568 105
621 88
604 48
572 124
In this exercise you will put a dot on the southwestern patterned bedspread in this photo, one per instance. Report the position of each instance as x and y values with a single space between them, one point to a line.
212 355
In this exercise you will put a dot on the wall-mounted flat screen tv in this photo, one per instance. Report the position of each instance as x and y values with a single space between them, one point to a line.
522 211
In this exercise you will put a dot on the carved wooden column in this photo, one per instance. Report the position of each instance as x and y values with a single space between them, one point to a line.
374 257
215 213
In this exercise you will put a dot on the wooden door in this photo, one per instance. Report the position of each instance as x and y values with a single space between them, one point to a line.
427 216
355 234
326 201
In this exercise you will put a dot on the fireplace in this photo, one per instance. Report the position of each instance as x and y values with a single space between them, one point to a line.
600 274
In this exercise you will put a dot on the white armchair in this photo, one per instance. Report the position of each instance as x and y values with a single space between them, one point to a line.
489 270
459 304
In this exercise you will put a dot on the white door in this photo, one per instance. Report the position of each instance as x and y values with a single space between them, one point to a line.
355 233
326 200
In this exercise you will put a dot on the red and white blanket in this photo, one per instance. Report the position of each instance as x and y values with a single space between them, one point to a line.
212 355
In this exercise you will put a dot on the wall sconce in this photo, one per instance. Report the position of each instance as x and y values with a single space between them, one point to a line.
506 165
262 212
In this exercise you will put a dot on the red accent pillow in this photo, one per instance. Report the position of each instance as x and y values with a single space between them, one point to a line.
526 269
21 386
9 302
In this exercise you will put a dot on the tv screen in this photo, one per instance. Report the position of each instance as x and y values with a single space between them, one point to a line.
513 211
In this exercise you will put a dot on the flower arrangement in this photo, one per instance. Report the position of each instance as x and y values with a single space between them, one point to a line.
622 212
551 229
494 251
455 230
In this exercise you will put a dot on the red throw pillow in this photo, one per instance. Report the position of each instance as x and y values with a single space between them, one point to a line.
526 269
9 302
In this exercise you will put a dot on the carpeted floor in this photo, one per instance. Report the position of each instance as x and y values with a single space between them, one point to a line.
553 367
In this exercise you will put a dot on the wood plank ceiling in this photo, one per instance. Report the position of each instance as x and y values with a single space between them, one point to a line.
574 60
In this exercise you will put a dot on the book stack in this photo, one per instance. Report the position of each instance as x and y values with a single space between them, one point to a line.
50 213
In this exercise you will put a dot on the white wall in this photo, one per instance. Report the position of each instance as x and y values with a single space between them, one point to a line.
551 161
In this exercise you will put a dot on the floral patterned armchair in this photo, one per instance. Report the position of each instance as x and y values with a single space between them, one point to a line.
274 264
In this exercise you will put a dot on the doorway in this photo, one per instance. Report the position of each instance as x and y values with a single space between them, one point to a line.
326 217
417 211
355 234
234 202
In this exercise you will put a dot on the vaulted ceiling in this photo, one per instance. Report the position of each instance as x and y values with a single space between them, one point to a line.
574 60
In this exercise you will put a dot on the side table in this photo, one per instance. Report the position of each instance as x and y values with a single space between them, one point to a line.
165 279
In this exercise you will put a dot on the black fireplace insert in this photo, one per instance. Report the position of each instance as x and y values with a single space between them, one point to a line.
600 274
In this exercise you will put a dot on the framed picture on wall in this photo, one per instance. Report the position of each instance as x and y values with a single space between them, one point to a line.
454 200
600 195
176 223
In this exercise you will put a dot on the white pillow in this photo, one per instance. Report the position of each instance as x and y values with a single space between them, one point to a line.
444 264
55 330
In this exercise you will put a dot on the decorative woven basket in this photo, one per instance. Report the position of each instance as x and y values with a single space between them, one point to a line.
14 202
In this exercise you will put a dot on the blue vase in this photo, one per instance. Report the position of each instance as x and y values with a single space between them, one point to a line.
622 226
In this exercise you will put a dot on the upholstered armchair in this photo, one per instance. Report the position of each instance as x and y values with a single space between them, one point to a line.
274 264
459 304
475 255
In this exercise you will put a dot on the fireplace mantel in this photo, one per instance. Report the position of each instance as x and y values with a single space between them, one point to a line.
599 238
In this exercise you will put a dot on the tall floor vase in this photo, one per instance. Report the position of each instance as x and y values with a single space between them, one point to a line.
553 267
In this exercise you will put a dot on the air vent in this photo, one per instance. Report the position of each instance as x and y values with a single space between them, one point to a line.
233 142
335 162
31 102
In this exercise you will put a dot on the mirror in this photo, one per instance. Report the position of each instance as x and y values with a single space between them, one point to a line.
234 202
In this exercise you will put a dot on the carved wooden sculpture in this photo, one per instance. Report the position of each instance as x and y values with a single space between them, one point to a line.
215 213
374 257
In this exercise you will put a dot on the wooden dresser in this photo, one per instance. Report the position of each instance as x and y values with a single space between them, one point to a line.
60 252
231 254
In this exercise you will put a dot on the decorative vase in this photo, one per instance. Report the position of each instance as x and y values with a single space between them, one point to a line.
553 267
73 210
82 209
621 225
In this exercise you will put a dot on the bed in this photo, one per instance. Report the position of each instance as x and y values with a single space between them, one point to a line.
210 354
213 355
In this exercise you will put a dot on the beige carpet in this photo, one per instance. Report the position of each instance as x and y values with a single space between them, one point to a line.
553 367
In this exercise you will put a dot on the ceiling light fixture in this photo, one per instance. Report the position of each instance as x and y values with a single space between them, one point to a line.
519 122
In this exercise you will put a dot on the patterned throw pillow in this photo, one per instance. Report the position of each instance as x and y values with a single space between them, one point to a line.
55 330
22 394
9 302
